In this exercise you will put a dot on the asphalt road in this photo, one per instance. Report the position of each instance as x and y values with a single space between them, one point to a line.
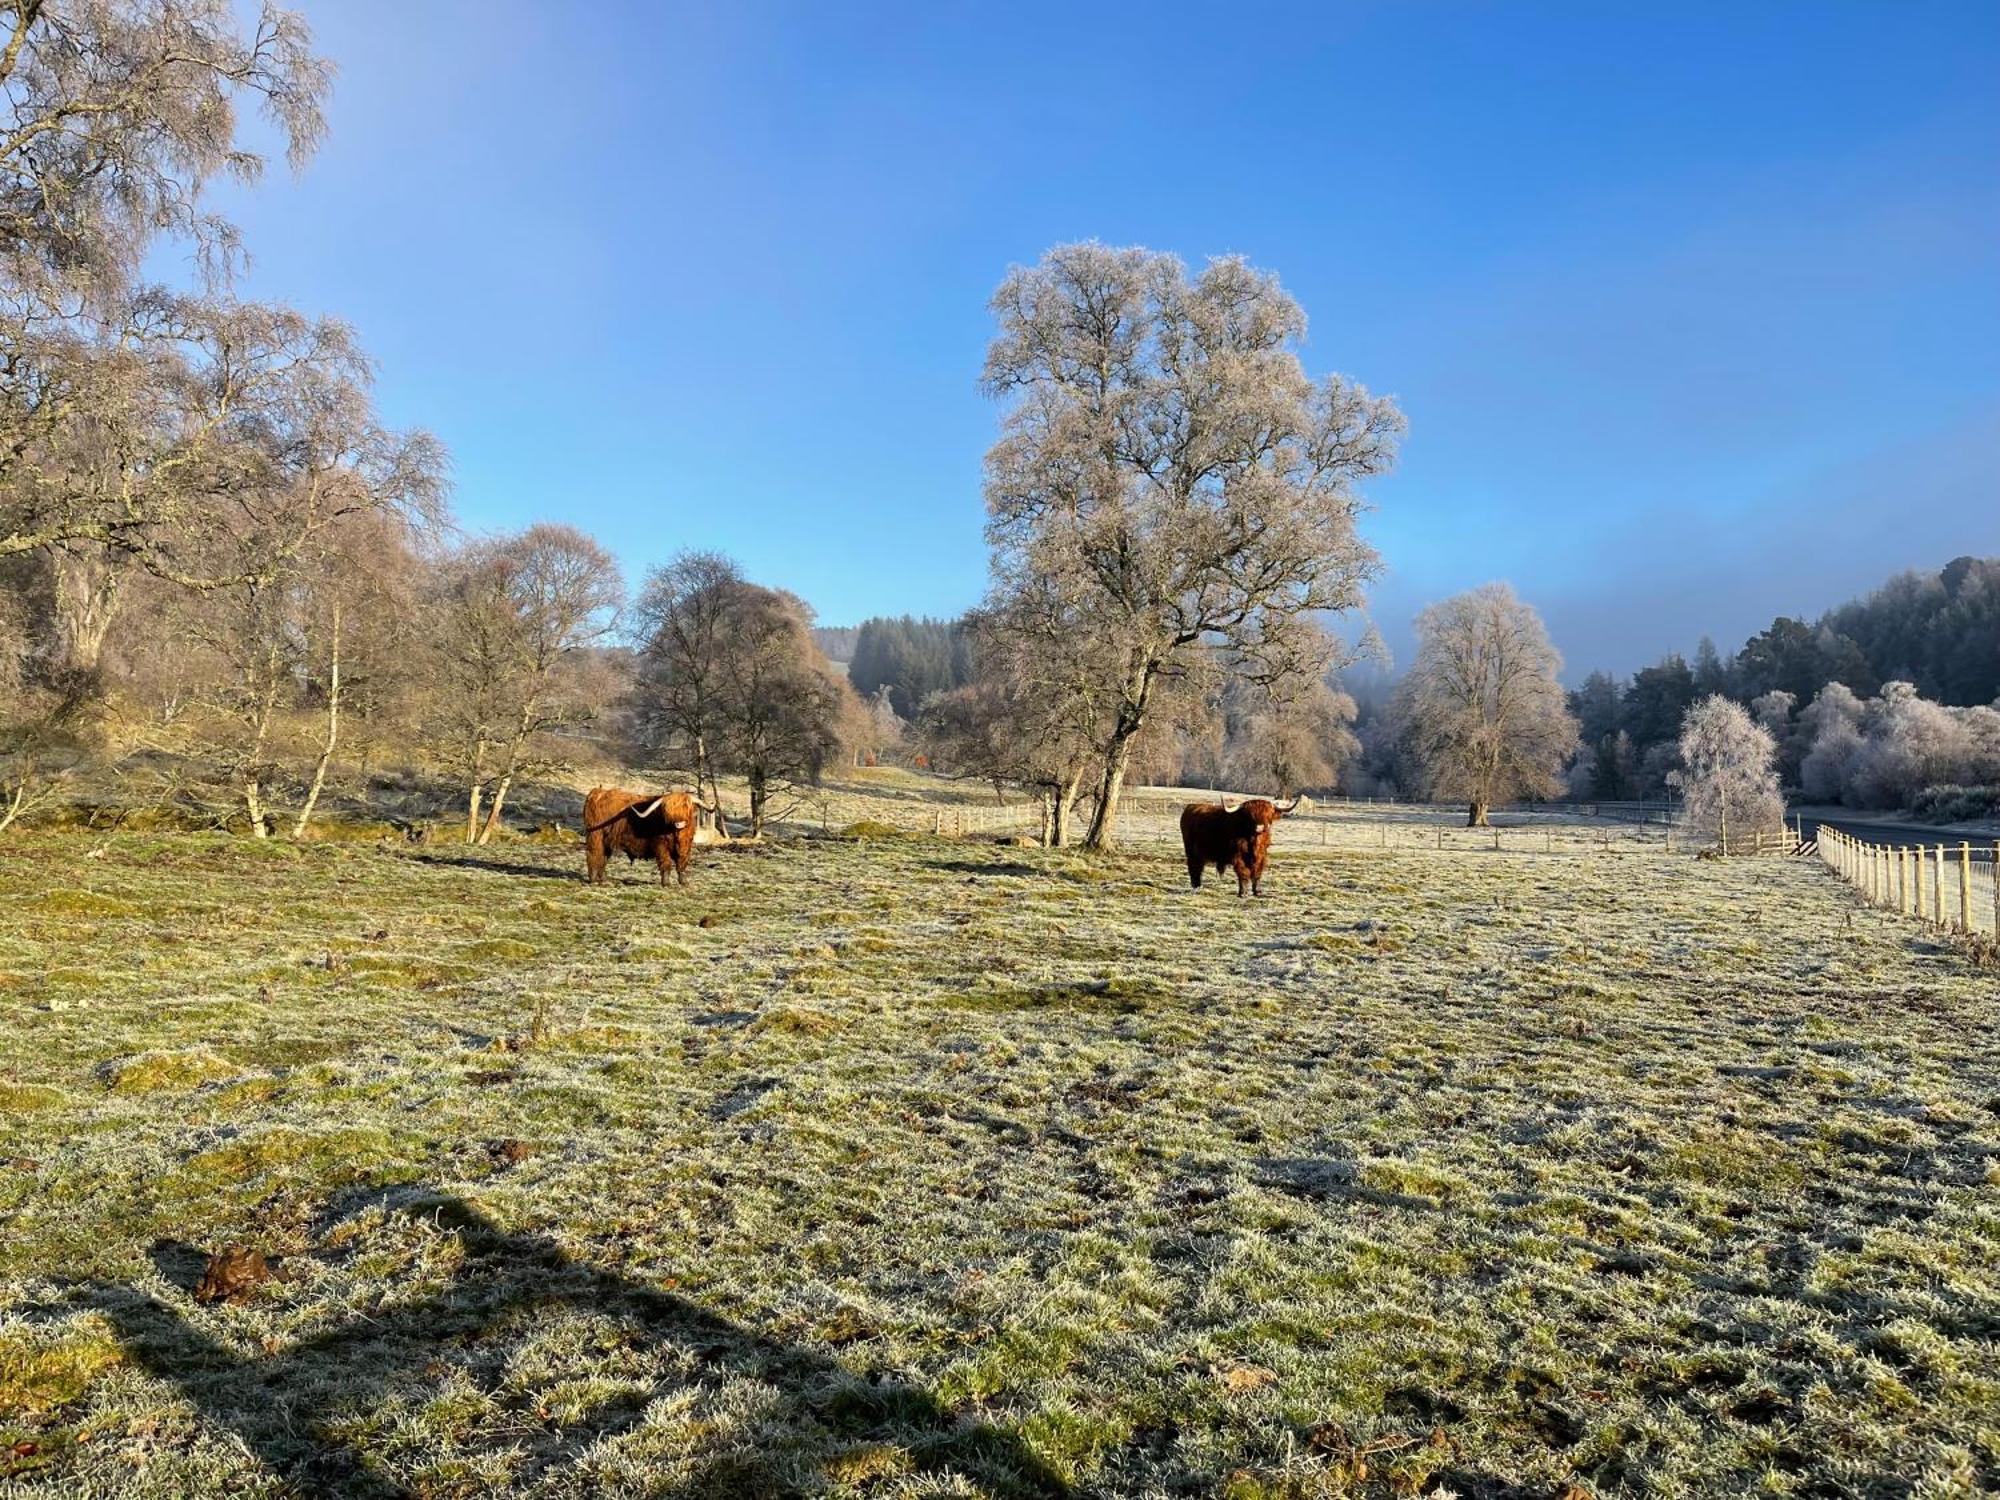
1872 832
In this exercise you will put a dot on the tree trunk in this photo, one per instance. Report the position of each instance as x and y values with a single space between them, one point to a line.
1065 807
1101 835
757 798
85 586
253 787
15 801
514 748
1131 719
332 733
1476 818
702 769
493 813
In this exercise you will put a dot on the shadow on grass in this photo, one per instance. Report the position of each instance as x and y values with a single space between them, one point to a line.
983 867
287 1408
504 867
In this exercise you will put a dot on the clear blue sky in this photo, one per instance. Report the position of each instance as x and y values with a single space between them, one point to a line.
1694 309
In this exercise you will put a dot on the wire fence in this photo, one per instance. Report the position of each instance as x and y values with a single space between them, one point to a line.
1150 818
1953 887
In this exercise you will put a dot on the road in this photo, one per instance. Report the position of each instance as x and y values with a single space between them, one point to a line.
1893 833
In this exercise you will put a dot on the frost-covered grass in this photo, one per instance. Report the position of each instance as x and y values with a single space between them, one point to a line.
904 1166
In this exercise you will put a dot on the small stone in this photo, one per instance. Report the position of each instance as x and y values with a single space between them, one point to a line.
513 1152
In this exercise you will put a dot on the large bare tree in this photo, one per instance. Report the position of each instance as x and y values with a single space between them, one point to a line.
115 116
731 682
1482 705
1165 456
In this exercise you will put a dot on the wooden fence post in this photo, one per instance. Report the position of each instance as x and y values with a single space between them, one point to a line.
1937 884
1903 879
1965 887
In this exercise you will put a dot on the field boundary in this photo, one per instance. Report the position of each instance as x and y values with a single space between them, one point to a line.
1952 889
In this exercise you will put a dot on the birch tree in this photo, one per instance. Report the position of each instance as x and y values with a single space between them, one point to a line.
681 619
510 616
1165 456
1482 705
1728 772
116 116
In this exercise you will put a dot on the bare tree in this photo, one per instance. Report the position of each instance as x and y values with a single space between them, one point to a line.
1728 773
115 115
509 616
1293 741
732 682
1482 705
680 621
1037 712
1165 456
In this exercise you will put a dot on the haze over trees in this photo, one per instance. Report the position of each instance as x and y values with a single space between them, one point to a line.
911 657
1930 638
1164 457
1482 705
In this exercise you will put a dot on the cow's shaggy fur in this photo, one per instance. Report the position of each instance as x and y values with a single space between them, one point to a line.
1237 839
641 825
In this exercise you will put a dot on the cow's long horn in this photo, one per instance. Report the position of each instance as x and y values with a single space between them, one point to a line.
647 812
1284 811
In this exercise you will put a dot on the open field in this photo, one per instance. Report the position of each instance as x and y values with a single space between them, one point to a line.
911 1166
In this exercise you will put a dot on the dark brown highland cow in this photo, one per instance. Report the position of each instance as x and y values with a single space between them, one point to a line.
640 825
1236 839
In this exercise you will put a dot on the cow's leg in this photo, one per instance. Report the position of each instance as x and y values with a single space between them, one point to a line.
1194 869
593 858
664 856
1242 875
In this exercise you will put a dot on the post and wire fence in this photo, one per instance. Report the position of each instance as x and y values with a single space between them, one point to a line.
1951 886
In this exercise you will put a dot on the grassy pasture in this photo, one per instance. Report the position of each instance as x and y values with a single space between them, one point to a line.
910 1166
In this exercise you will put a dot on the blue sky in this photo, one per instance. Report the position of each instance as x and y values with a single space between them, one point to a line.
1694 310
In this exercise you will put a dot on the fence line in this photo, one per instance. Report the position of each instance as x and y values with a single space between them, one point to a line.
1957 889
1152 819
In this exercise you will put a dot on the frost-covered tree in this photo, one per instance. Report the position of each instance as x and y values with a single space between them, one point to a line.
1728 774
1292 741
1482 706
1165 456
1831 724
1910 743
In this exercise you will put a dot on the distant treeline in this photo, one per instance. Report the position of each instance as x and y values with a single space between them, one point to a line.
1930 639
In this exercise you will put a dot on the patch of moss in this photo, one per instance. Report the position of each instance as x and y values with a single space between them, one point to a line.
868 828
26 1098
505 950
70 903
42 1372
155 1072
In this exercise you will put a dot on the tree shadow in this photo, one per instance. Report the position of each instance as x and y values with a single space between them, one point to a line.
288 1408
990 868
504 867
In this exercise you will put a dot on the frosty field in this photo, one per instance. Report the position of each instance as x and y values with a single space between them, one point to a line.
918 1166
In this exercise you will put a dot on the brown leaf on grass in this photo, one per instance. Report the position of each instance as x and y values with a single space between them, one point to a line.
513 1152
1237 1379
232 1274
